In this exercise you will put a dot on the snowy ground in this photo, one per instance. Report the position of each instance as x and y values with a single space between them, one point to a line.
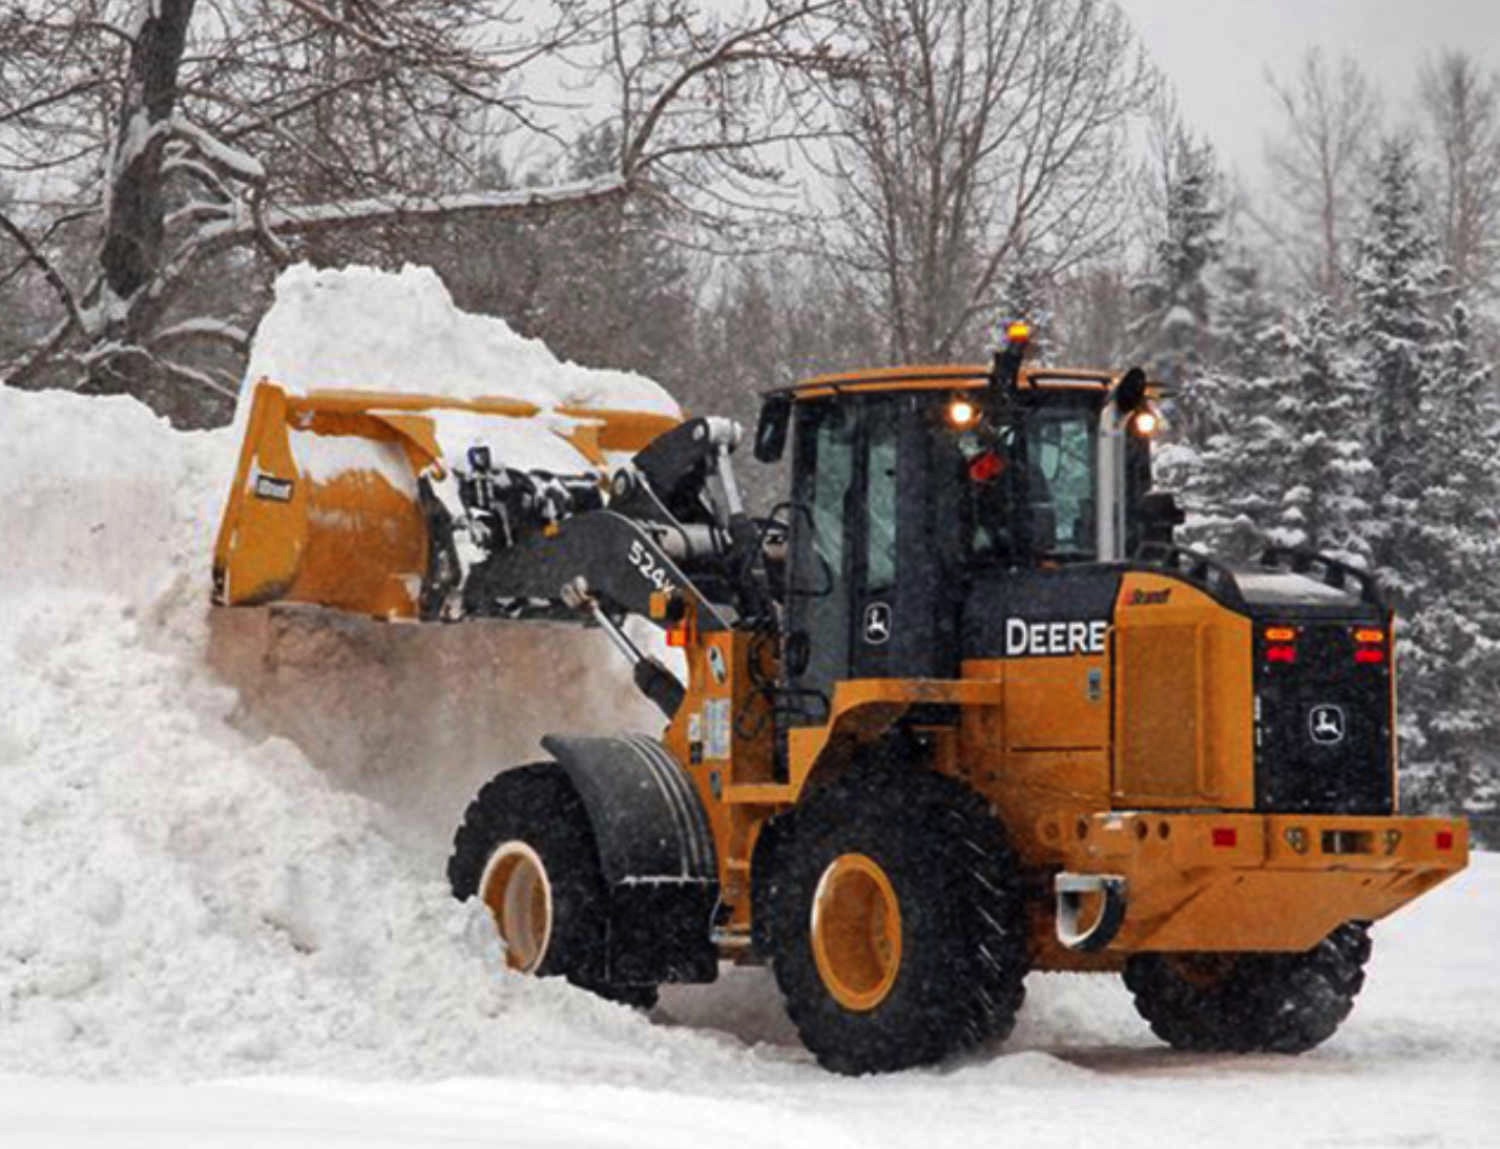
222 919
1417 1065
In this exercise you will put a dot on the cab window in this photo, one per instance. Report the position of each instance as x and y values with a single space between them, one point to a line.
1027 488
1061 482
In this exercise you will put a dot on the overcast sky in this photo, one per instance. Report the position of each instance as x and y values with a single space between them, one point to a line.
1216 53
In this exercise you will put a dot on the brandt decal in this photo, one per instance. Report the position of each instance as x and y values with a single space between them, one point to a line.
270 487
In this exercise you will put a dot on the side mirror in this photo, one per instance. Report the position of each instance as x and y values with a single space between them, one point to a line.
1130 395
770 431
1160 516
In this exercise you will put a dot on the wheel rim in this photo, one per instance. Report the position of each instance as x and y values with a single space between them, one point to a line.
519 896
856 932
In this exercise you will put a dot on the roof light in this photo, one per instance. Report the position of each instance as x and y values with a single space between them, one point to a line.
963 413
1145 423
1018 331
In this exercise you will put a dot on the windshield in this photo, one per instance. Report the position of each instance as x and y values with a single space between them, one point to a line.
1028 486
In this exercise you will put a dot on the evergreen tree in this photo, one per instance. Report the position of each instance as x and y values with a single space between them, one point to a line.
1433 441
1327 471
1173 330
1451 641
1394 285
1233 495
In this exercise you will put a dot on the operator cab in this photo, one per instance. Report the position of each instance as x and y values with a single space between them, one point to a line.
921 494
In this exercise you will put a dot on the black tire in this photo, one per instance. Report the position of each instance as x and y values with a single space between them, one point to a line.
537 805
1251 1002
958 980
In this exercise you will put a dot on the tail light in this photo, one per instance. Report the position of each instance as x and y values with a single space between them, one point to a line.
1369 646
1281 644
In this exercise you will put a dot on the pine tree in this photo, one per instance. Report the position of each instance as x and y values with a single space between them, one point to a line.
1173 327
1394 287
1451 640
1433 441
1233 496
1327 471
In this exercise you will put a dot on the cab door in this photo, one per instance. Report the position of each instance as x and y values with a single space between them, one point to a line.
875 533
869 594
815 653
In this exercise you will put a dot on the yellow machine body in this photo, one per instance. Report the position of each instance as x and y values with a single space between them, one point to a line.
1136 760
1076 794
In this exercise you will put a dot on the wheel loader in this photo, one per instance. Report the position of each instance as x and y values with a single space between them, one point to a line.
960 708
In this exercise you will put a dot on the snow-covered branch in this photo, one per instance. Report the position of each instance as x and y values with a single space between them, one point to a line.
304 219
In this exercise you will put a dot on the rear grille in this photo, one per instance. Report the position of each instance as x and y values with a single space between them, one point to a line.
1322 724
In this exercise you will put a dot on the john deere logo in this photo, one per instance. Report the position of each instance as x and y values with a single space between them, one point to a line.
1326 724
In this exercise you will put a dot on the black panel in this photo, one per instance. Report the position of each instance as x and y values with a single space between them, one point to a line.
1083 594
1323 732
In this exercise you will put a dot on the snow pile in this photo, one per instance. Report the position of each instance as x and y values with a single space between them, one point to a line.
361 329
180 898
224 831
356 328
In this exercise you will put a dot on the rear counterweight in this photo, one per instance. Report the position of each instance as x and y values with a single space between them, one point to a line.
1323 737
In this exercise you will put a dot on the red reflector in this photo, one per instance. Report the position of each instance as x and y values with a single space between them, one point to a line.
1225 837
1445 839
1281 654
1369 654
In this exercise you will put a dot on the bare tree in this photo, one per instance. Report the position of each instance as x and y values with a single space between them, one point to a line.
187 143
974 129
1463 109
1329 119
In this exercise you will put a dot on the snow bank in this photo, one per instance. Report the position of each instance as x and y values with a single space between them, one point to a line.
357 328
185 891
224 831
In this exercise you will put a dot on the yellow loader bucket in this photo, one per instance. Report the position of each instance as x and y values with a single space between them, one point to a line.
324 507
